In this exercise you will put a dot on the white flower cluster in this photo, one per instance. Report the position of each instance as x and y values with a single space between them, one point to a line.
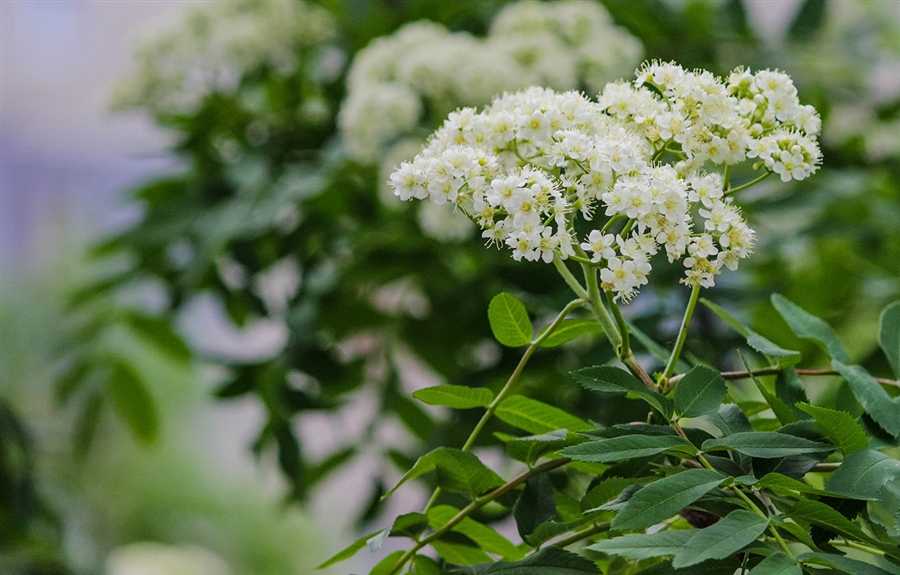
535 169
423 66
214 45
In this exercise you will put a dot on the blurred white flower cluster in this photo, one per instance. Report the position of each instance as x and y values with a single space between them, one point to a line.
531 164
214 45
424 67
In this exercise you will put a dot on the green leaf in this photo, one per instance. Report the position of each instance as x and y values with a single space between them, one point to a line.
612 379
628 447
658 351
484 536
808 21
730 419
424 565
777 564
782 411
783 484
459 549
86 425
839 426
535 505
824 516
863 474
766 444
713 567
718 541
458 472
644 546
568 330
159 332
549 561
699 392
351 549
889 335
842 563
509 321
455 396
385 565
537 417
409 525
873 398
754 340
133 402
531 448
807 326
789 388
664 498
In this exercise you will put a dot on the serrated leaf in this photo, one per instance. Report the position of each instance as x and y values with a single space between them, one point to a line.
611 379
873 398
754 340
845 564
644 545
889 335
568 330
486 538
718 541
664 498
537 417
777 564
807 326
455 396
766 444
863 474
713 567
509 321
351 549
628 447
549 561
699 392
824 516
458 472
133 402
730 419
839 426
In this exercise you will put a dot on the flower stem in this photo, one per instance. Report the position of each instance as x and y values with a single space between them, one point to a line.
474 506
568 277
730 191
682 333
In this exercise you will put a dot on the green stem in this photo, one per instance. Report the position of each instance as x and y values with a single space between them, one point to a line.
599 310
774 370
568 277
623 329
728 192
611 221
474 506
583 534
510 383
726 180
682 333
859 546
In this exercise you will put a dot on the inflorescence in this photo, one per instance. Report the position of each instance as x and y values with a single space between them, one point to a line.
536 168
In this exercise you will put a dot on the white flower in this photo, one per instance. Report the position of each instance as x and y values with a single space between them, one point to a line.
600 244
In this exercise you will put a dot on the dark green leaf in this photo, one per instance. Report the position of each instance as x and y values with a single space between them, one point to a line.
133 402
808 21
874 399
766 445
455 547
699 392
351 549
807 326
160 333
889 335
628 447
644 546
730 419
783 484
664 498
845 564
409 525
718 541
824 516
537 417
570 329
863 474
549 561
789 389
509 321
535 505
611 379
455 396
840 427
529 449
777 564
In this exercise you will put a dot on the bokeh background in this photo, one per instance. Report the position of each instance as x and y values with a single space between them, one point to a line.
163 412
